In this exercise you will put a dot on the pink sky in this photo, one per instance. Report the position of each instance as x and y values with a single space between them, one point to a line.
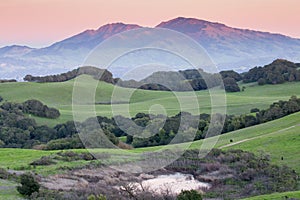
40 23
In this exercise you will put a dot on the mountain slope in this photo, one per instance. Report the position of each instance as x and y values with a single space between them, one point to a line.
232 47
229 48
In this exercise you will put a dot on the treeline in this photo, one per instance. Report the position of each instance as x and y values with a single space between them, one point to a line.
277 72
186 80
199 125
17 130
96 73
7 81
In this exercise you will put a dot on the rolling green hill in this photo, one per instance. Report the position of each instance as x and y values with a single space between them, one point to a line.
278 138
59 95
271 138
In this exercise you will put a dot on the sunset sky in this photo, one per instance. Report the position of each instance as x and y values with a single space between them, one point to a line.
39 23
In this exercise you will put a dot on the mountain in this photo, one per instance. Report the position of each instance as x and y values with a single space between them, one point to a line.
229 48
14 50
232 47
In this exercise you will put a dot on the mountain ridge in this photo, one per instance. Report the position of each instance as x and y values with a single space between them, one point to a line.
230 48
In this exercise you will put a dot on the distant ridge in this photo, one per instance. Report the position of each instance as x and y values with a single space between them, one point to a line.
230 48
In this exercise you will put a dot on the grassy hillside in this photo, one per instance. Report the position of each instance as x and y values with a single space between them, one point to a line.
271 138
278 138
59 95
277 196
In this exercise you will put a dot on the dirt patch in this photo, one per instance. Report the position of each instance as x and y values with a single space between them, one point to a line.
174 183
64 182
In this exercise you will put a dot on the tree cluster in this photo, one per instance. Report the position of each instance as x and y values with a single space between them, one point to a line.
277 72
187 80
7 81
33 107
19 131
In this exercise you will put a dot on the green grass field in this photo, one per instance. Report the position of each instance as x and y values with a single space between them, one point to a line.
277 196
59 95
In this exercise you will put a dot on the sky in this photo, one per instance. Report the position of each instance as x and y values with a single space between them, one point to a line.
40 23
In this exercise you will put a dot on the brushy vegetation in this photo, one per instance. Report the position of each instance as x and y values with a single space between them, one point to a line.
28 185
236 173
232 174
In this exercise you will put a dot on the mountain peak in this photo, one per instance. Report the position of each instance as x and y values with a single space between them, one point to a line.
189 20
117 27
190 25
15 50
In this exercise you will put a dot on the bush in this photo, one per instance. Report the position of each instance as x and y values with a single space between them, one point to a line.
3 174
28 185
97 197
1 99
254 110
43 161
189 195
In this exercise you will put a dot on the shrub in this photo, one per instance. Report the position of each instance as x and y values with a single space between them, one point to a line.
98 197
3 174
28 185
189 195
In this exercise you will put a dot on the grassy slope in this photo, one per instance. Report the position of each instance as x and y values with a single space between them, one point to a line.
277 196
279 138
59 95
